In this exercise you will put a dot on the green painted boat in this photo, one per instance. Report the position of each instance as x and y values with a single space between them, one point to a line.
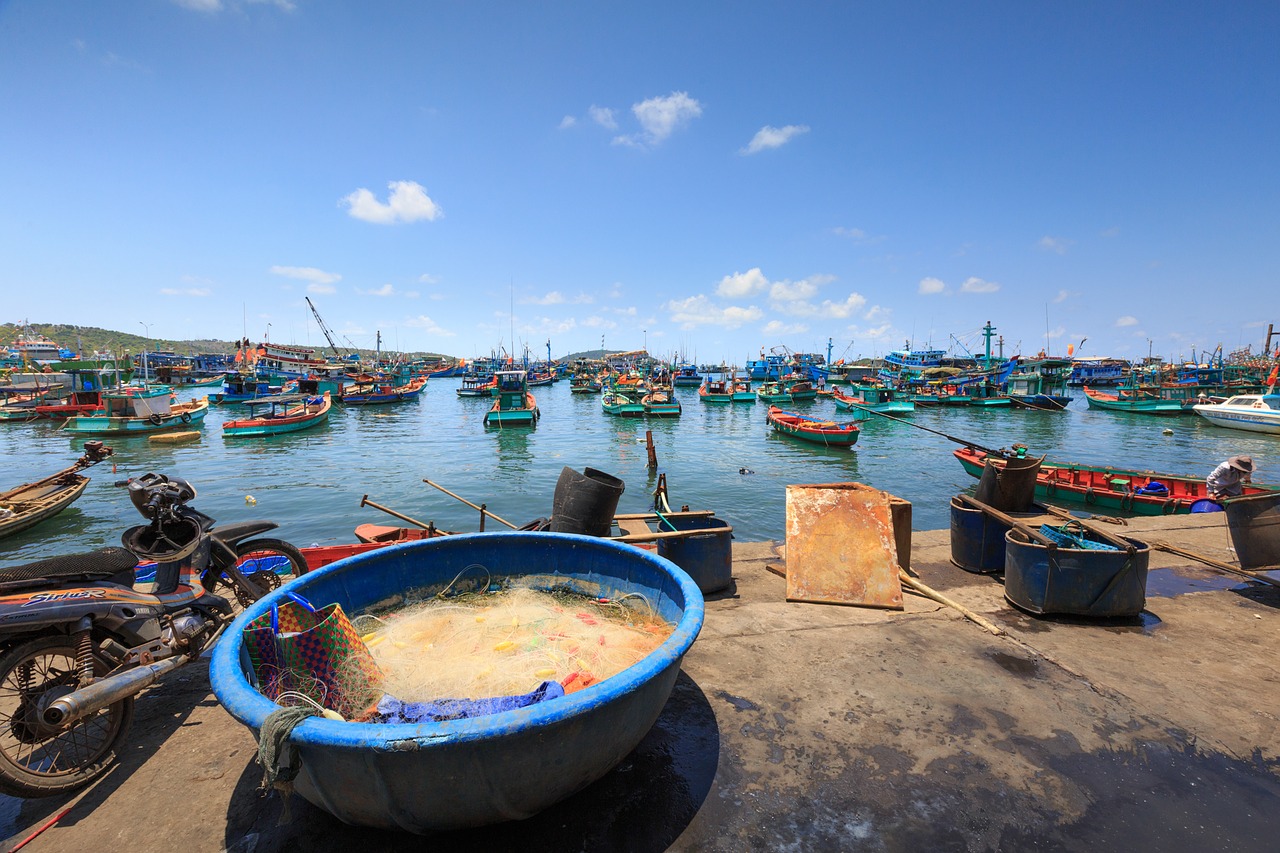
513 404
815 430
620 405
1135 403
1119 489
138 410
279 414
661 403
872 399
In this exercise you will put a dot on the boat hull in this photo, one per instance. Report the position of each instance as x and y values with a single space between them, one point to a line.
180 417
41 503
1238 417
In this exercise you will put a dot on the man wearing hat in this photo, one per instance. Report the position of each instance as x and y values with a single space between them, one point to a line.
1228 479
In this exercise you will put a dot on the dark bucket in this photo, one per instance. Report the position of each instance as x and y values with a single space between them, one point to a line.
585 503
1205 505
707 558
1012 486
1075 581
977 540
1254 524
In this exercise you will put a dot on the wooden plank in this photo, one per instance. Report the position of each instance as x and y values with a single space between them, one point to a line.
841 547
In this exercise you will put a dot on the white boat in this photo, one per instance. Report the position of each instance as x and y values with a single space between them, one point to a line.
1252 412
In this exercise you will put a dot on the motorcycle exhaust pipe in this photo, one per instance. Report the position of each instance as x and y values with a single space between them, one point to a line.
100 694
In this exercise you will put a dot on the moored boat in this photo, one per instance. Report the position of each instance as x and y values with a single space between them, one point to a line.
813 430
280 414
368 390
1040 383
661 403
616 403
1249 412
138 409
873 399
513 404
27 505
1134 402
477 385
1123 489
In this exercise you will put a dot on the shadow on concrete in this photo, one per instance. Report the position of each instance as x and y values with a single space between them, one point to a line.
643 804
157 715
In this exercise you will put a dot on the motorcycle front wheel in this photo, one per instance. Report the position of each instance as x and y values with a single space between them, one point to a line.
266 563
37 760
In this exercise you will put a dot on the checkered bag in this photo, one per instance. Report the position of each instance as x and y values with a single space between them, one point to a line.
295 647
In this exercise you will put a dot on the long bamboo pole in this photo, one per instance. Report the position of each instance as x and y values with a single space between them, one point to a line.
1217 564
469 503
930 592
364 501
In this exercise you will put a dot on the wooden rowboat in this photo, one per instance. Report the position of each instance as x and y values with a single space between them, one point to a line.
817 431
276 415
31 503
1126 490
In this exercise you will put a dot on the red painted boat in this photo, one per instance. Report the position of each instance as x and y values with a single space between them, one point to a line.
811 429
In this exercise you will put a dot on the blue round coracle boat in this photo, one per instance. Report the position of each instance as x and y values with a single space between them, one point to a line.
434 776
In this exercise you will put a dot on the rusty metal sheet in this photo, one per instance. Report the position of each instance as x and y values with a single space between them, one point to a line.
841 547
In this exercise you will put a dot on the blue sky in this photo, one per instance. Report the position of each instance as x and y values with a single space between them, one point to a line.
706 178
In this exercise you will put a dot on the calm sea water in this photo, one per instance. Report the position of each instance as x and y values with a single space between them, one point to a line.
722 458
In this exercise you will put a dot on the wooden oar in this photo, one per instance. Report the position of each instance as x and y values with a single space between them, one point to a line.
483 510
930 592
1217 564
364 501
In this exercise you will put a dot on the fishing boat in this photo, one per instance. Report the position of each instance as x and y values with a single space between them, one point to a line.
1123 489
238 386
872 398
19 404
1135 402
280 414
716 391
31 503
138 409
661 403
1250 412
1040 383
513 404
368 390
614 402
686 375
583 383
1097 370
789 389
815 430
477 385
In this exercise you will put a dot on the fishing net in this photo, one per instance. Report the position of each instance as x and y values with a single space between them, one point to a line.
505 643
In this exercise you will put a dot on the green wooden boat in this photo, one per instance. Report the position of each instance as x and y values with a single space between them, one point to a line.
514 405
616 403
815 430
138 410
870 398
1135 403
661 403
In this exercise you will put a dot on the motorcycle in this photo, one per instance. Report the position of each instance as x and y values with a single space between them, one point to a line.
78 641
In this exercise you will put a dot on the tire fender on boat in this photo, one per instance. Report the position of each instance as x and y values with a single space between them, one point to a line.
156 419
186 417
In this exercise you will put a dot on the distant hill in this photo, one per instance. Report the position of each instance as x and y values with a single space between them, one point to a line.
87 339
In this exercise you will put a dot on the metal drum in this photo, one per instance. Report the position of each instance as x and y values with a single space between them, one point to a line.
1075 581
977 540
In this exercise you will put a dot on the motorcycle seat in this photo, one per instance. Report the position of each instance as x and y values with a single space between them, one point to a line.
106 564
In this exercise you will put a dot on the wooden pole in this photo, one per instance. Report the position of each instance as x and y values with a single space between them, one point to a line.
1109 538
653 451
1217 564
930 592
364 501
1029 532
482 509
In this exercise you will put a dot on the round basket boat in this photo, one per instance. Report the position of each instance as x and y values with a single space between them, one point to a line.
436 776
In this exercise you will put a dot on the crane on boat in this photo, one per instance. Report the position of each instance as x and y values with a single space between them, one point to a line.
328 334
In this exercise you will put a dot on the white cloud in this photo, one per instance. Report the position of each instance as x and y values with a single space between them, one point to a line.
595 321
792 291
311 274
603 116
977 285
773 137
852 304
1056 333
1063 296
552 298
777 327
661 117
567 122
700 311
1057 245
742 284
200 5
385 290
408 202
428 278
317 287
929 286
189 291
1126 320
422 321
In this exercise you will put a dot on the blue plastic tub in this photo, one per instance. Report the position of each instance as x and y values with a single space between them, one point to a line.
1075 581
707 558
436 776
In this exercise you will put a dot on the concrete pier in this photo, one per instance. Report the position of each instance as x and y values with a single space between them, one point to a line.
815 727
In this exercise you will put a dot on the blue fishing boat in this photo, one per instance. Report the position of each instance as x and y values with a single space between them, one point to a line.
370 390
1040 383
686 375
873 398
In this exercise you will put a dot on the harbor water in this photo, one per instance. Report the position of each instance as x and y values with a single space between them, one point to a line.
718 457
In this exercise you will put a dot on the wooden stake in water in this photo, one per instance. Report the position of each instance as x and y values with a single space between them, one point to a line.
653 451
